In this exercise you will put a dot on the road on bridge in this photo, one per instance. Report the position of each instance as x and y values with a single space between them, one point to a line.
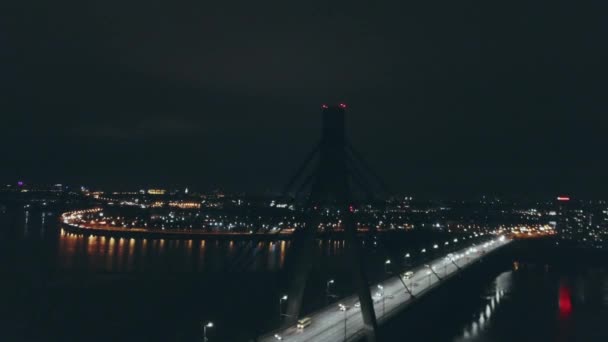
390 297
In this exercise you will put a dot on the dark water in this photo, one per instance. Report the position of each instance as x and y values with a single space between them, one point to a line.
542 303
57 286
63 286
528 301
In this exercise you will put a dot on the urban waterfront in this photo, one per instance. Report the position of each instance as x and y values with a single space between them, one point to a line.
313 171
159 289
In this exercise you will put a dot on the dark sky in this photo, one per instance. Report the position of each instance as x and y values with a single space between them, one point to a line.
446 98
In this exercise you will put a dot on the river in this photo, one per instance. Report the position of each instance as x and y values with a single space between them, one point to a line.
62 286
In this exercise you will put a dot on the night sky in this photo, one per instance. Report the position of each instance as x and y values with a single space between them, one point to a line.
446 98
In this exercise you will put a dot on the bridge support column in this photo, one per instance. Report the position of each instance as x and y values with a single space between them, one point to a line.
370 325
302 264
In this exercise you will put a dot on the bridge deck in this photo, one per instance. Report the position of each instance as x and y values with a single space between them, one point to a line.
328 324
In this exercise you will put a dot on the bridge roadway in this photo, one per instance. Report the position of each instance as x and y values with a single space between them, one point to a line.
328 324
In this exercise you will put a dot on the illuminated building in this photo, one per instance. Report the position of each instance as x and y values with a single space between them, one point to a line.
185 205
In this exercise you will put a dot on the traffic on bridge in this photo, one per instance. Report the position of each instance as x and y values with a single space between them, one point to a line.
343 321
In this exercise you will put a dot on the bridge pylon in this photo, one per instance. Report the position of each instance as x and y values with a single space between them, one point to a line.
331 188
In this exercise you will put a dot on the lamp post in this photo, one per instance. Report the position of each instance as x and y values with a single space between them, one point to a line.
433 271
281 305
381 288
344 308
386 265
454 262
405 277
327 293
205 326
406 258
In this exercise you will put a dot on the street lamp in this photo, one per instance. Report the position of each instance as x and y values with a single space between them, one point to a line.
433 271
281 305
454 262
435 246
403 278
327 293
344 308
205 326
381 288
386 265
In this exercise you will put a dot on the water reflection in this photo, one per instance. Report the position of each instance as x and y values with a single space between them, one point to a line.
564 301
110 254
26 224
502 285
114 254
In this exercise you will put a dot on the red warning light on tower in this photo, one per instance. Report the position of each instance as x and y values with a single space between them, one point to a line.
324 106
342 105
563 198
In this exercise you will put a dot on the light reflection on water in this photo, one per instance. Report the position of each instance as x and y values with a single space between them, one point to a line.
116 254
110 254
480 320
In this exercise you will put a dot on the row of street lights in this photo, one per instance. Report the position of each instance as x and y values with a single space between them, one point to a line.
431 270
328 296
407 255
387 263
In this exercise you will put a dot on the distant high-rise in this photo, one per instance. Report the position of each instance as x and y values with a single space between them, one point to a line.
564 225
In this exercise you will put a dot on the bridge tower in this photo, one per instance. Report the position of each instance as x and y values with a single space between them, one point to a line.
330 183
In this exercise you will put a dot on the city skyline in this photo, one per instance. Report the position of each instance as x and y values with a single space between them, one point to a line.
303 171
465 99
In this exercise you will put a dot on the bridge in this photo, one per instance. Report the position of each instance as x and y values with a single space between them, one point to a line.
331 181
343 321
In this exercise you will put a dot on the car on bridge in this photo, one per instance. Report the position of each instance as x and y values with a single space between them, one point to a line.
304 322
